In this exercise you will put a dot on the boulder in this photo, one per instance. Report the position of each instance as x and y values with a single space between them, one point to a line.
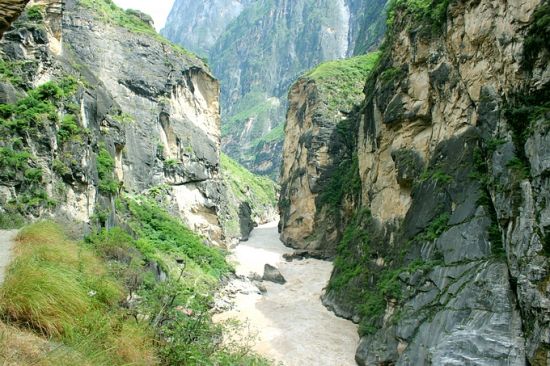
272 274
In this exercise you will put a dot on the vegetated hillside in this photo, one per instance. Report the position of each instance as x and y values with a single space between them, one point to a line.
113 132
263 50
252 199
441 224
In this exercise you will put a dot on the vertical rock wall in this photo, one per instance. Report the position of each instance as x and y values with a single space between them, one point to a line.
442 255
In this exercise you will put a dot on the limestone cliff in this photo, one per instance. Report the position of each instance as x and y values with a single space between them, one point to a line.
443 238
262 51
98 104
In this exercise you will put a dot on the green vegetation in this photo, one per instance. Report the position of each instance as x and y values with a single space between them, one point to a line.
108 12
102 302
427 12
61 290
523 110
276 134
434 229
391 74
263 190
348 264
245 192
256 105
438 176
35 13
170 164
481 175
124 118
105 167
68 128
10 72
342 81
345 180
160 231
362 281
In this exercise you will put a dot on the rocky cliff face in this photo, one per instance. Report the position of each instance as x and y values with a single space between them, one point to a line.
442 250
9 11
321 103
98 104
260 54
197 25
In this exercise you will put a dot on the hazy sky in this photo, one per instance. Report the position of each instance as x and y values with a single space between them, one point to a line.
158 9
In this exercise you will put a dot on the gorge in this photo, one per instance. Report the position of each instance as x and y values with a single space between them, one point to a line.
413 203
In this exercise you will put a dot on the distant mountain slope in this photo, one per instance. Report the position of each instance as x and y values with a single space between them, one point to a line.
262 51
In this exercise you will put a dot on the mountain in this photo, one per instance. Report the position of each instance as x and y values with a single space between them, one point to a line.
263 50
197 25
154 130
430 188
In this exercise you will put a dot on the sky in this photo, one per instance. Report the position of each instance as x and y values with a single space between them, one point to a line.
158 9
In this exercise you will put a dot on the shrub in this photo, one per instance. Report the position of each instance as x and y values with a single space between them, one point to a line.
35 13
105 166
68 128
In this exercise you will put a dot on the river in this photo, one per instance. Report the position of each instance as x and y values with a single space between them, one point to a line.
293 327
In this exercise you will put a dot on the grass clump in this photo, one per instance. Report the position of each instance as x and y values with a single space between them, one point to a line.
62 291
35 13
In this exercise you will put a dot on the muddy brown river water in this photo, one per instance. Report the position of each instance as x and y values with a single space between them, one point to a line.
293 327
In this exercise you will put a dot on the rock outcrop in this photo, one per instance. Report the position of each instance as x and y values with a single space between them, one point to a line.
272 274
9 11
262 51
126 111
321 106
443 231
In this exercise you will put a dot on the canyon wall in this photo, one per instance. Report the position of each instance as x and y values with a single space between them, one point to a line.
262 51
100 105
440 224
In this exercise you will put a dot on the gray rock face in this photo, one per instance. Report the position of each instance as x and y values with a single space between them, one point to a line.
153 107
9 11
272 274
197 25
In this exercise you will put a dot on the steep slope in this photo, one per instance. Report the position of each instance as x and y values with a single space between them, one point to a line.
9 11
260 54
442 237
321 104
197 25
98 103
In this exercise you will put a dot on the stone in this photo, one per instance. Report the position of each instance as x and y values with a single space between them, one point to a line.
272 274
